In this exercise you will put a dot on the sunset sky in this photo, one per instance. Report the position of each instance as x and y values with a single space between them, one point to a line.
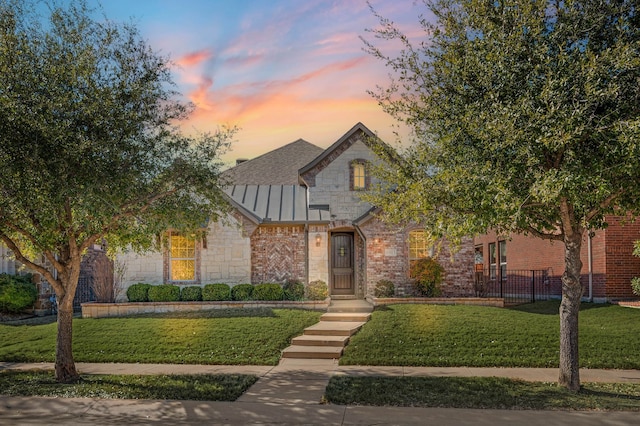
279 69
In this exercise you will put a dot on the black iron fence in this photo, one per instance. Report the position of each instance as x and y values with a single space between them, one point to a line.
514 286
84 292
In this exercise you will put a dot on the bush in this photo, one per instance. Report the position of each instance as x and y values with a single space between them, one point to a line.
317 290
191 294
635 286
241 292
164 293
427 274
138 292
267 291
216 292
17 293
384 288
293 290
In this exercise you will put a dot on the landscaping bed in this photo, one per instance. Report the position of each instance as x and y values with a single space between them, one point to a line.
104 310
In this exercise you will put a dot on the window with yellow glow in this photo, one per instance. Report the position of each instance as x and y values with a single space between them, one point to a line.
359 177
182 258
419 245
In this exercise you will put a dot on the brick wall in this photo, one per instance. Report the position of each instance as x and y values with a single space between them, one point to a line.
613 264
621 265
387 258
278 253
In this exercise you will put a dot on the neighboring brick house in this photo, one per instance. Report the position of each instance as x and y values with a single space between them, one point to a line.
297 215
608 261
96 268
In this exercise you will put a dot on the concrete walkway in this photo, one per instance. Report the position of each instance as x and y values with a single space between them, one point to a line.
291 394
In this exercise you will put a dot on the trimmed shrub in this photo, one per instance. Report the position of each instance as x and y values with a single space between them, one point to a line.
384 288
216 292
191 294
267 291
164 293
241 292
293 290
427 276
138 292
317 290
17 293
635 286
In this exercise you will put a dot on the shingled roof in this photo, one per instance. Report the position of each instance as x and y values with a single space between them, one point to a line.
277 167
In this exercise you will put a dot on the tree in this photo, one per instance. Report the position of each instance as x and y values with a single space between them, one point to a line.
525 118
90 148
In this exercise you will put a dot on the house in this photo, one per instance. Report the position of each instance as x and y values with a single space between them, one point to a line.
298 215
607 258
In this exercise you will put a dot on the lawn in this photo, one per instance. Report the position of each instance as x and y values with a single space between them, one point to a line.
480 392
476 336
201 387
225 337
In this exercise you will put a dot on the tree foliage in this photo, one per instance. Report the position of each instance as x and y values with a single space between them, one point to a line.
525 117
90 144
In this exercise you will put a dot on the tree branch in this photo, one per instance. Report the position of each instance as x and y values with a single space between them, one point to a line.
31 265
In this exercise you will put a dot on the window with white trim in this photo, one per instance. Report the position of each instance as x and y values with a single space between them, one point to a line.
420 245
182 258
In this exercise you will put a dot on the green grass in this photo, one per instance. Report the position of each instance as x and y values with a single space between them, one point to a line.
479 392
476 336
202 387
226 337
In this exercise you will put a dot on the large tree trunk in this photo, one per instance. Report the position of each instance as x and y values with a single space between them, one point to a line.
569 308
65 367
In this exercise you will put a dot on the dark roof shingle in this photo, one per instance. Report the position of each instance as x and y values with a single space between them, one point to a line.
277 167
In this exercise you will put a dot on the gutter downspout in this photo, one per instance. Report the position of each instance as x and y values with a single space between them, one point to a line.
306 257
590 262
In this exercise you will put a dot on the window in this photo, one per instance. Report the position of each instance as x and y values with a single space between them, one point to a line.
419 245
182 258
492 261
502 249
358 179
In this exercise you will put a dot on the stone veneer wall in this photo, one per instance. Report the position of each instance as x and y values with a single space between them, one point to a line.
226 258
278 254
331 185
388 254
318 253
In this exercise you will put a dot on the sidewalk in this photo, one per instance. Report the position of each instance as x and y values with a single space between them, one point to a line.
290 394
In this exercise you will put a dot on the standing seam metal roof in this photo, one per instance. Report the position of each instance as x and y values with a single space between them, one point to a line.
276 203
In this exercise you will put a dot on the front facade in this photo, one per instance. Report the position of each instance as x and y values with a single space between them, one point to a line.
298 216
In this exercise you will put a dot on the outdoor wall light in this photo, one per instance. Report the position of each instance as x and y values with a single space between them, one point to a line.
318 240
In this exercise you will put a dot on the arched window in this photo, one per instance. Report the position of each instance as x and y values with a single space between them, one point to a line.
359 180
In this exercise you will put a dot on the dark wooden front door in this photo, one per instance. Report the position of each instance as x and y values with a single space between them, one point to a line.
342 264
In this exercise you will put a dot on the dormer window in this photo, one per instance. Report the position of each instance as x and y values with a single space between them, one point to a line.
359 178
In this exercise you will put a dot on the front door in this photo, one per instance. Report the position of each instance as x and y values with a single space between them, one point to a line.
342 264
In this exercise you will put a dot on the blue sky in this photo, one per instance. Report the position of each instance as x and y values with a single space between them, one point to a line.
280 70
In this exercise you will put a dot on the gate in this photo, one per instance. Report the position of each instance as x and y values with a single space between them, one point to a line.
84 292
515 287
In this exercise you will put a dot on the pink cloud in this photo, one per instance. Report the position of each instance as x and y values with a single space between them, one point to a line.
194 58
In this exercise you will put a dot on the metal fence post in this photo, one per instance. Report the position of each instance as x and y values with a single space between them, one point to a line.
533 286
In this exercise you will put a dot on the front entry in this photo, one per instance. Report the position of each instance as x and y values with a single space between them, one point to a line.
342 256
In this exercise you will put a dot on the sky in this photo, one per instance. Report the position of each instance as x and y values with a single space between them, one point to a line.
279 70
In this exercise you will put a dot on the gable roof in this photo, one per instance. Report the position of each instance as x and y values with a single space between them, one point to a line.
359 132
277 167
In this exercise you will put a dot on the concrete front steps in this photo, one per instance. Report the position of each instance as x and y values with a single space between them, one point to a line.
327 339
